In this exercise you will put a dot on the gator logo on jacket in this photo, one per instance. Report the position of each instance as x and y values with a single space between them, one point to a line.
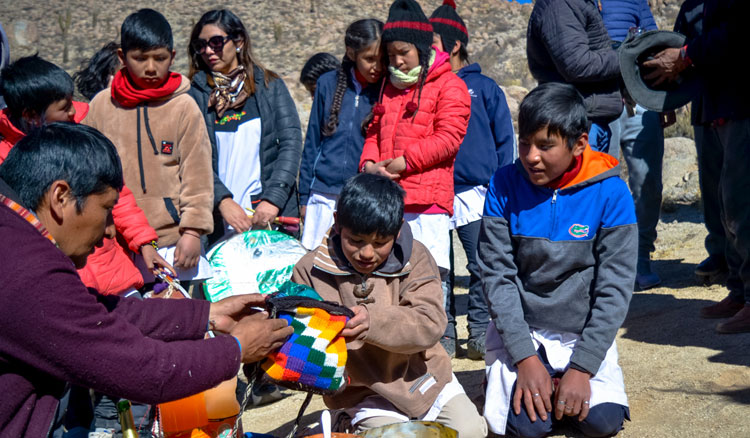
578 231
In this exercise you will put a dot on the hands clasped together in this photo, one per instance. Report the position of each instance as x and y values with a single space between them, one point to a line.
535 389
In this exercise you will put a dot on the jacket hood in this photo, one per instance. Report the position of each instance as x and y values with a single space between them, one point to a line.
469 69
330 257
82 109
439 67
182 89
596 166
8 131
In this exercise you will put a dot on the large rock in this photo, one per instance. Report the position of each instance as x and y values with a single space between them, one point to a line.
680 173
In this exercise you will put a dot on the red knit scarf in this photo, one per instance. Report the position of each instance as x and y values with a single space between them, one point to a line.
567 176
127 95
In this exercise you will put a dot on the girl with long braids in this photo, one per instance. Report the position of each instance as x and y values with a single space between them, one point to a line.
418 127
252 124
341 105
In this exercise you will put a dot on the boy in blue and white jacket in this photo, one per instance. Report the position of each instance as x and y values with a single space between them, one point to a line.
557 255
489 144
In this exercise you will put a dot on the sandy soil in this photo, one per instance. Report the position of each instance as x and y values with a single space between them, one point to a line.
683 379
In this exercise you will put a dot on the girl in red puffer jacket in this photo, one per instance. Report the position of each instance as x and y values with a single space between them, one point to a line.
418 127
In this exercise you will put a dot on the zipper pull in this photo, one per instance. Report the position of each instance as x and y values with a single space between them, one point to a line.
554 196
356 101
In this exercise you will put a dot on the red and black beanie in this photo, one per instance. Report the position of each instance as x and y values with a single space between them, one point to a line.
447 23
407 22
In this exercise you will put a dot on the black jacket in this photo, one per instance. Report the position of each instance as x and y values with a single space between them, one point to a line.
280 142
567 42
716 44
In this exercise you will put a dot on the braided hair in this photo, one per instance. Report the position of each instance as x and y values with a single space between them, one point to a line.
318 64
359 35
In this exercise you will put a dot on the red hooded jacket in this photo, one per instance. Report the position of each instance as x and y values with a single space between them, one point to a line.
428 142
110 269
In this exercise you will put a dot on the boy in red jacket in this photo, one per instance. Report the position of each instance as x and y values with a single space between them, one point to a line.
37 93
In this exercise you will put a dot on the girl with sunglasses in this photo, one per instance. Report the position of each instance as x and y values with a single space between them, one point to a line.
339 116
252 124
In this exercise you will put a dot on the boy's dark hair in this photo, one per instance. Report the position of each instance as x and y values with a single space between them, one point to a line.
558 107
318 64
371 204
145 30
78 154
94 74
33 84
359 35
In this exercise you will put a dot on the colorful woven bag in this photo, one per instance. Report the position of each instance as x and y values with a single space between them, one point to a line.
314 357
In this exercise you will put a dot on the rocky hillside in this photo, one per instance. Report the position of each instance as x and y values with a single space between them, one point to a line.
284 33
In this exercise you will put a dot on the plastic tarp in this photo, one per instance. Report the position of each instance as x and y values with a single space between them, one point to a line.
256 261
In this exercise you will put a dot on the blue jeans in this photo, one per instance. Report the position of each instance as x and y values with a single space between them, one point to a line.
734 190
641 138
478 314
710 157
603 420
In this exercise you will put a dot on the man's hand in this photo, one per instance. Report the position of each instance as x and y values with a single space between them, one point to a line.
259 335
357 327
534 387
188 250
264 214
225 314
380 168
666 65
397 166
573 395
234 215
153 260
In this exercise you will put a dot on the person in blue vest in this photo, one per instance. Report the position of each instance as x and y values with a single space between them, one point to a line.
489 143
641 140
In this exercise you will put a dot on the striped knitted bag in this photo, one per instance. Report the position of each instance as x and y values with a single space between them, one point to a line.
314 357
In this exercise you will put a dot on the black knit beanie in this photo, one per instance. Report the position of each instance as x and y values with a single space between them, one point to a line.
407 22
451 28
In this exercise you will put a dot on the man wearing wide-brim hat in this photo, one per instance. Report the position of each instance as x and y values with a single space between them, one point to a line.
715 56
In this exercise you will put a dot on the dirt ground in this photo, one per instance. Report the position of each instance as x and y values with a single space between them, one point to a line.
683 379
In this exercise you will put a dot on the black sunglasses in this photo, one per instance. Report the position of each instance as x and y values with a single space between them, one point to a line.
216 43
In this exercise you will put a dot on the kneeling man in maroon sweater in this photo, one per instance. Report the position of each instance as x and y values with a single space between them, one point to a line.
57 190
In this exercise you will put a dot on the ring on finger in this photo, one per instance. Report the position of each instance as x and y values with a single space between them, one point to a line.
536 394
561 402
586 402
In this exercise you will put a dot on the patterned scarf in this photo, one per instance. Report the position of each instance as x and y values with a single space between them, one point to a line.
229 91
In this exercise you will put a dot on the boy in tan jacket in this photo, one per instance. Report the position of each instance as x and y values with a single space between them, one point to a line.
370 263
162 141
